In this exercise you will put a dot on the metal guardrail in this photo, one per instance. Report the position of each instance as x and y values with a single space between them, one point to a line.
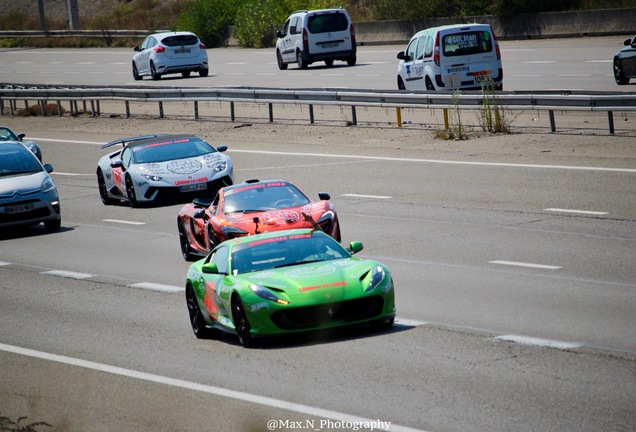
545 101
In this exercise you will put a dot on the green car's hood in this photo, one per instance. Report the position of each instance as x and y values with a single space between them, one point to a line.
334 280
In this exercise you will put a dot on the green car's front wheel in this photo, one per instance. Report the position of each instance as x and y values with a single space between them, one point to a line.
196 317
241 323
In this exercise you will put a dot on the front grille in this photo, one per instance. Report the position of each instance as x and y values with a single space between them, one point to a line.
312 316
37 213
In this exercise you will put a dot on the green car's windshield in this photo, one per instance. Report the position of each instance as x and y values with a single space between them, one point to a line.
285 250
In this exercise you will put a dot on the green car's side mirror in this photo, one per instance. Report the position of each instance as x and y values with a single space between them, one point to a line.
210 268
355 247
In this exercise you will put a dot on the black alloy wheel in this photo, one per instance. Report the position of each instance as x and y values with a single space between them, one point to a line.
241 323
183 242
103 193
196 317
130 191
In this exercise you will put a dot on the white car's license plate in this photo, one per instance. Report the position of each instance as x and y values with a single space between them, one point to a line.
193 187
19 208
182 50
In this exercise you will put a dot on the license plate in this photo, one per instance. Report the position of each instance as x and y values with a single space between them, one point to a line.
457 69
182 50
330 45
482 78
19 208
193 187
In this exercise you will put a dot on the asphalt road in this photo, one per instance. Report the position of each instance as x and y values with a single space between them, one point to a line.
553 64
513 262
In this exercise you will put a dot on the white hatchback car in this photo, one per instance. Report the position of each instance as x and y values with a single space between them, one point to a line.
459 56
318 35
170 53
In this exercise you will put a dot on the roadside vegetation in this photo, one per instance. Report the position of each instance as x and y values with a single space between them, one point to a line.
255 21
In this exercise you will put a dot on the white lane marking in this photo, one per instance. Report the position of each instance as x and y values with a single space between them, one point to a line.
598 61
123 222
524 264
588 212
3 263
189 385
67 174
548 343
541 62
68 274
367 196
395 159
157 287
446 162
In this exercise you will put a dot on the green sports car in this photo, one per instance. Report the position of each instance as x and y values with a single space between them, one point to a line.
286 282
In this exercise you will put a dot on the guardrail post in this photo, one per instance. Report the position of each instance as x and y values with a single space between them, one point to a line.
446 125
232 116
552 125
43 107
93 108
354 117
59 108
84 104
311 114
610 119
271 112
398 113
99 108
160 109
196 110
127 109
1 106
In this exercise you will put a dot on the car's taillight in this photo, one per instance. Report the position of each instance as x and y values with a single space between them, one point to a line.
159 49
496 46
305 40
436 50
353 34
202 45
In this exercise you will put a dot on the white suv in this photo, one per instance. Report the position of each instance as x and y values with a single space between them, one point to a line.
459 56
318 35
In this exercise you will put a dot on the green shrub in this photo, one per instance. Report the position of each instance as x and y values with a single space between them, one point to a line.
209 19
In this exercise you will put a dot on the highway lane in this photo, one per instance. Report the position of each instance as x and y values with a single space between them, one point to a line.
561 64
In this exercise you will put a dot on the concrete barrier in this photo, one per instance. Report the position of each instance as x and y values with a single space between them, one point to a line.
524 26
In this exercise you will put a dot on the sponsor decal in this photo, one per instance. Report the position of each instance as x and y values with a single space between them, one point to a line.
162 143
254 186
190 181
184 166
278 239
322 286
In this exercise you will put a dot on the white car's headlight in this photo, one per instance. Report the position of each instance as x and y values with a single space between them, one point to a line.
151 177
220 167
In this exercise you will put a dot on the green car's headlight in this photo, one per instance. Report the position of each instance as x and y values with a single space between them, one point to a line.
267 294
377 276
151 177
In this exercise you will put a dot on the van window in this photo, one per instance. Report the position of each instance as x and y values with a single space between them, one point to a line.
474 42
294 28
429 47
325 23
420 48
410 50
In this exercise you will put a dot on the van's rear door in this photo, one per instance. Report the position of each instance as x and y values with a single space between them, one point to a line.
329 31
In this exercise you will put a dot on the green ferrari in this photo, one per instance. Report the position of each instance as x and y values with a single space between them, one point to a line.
286 282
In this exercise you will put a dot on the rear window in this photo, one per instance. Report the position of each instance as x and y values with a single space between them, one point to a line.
328 22
474 42
180 40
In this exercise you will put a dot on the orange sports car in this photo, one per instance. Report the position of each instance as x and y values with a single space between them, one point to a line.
252 207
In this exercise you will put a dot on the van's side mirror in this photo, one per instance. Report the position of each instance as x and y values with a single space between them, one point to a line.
136 49
402 56
279 34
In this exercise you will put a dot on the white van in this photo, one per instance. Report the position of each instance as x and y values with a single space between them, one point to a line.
318 35
459 56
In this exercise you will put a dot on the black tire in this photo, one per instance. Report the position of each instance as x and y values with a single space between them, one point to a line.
153 72
130 191
400 83
197 322
103 193
302 64
203 72
53 225
429 84
185 74
351 61
184 243
329 63
619 76
135 72
279 59
241 323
